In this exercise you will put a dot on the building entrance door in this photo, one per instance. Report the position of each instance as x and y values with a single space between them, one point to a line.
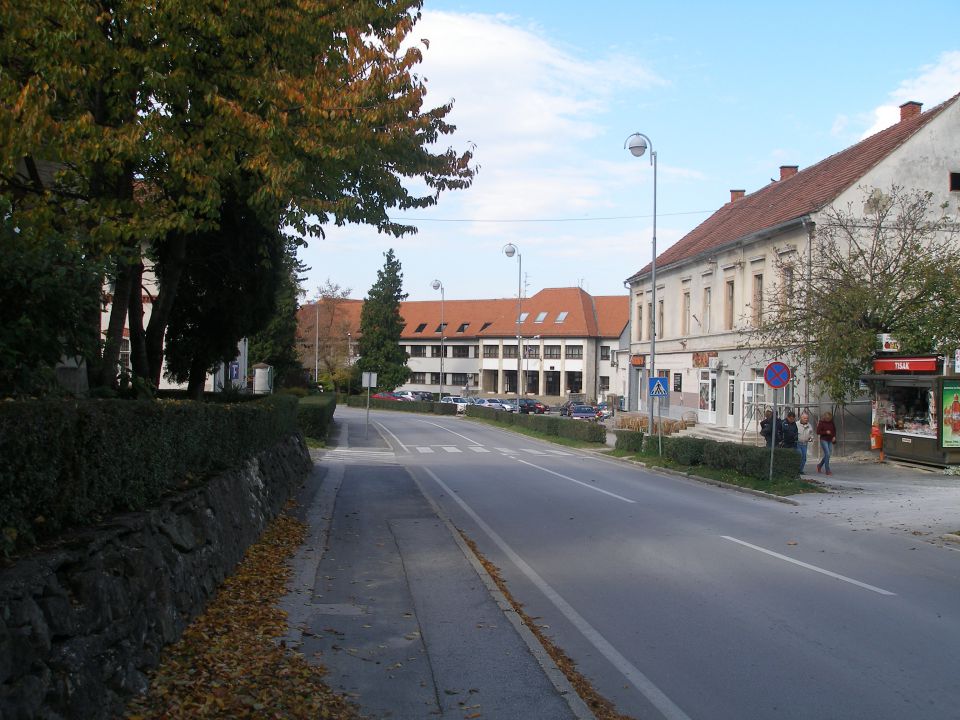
707 412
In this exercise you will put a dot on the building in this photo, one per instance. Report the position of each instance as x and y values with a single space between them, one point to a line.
711 283
560 341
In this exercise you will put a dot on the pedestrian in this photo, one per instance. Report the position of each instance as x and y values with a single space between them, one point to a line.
770 429
790 432
804 436
827 432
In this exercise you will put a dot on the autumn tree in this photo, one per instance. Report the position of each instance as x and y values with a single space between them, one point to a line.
892 268
148 113
381 326
326 332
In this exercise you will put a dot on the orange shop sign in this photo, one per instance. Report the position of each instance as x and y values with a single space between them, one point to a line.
638 360
905 364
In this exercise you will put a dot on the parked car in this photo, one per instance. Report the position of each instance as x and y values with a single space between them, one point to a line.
388 396
565 408
605 410
460 402
508 404
416 395
490 403
529 405
583 412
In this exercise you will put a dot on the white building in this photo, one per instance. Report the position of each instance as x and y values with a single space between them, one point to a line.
711 283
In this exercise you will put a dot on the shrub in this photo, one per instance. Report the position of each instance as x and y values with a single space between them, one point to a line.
315 413
629 441
721 455
69 463
582 430
685 450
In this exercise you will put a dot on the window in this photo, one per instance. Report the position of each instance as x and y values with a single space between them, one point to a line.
124 362
706 310
460 351
649 326
418 351
441 327
434 378
757 305
531 351
788 283
604 382
728 306
460 378
551 352
463 327
604 352
955 182
659 329
420 327
574 352
418 378
509 351
541 316
561 317
685 319
638 327
491 351
435 351
524 316
485 326
731 387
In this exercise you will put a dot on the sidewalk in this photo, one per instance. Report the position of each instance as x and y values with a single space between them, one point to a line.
387 597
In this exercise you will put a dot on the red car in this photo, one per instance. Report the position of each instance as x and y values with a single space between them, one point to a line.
529 405
388 396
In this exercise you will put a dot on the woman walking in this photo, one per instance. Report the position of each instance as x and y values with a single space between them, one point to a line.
804 436
828 438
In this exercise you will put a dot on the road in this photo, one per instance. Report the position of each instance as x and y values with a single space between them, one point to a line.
681 600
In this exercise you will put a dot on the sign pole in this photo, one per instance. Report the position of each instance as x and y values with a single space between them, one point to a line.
773 435
777 374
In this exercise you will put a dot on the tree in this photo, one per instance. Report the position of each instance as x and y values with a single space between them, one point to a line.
276 344
326 341
892 269
381 326
148 112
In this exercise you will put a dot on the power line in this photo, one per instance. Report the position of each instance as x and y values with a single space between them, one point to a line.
544 220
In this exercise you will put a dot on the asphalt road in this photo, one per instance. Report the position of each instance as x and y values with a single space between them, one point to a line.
681 600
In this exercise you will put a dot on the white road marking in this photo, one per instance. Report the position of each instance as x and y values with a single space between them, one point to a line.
478 448
425 450
558 452
808 566
381 426
506 451
641 682
532 451
450 449
470 440
589 486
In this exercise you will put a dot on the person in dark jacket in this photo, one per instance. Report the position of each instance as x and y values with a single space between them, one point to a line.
770 428
828 438
790 432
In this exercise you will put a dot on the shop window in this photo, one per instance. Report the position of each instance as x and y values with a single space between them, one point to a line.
907 410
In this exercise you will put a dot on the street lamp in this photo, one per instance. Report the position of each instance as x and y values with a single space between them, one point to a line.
316 341
638 144
437 285
510 250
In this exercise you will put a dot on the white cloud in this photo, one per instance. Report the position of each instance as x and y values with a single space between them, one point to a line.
933 85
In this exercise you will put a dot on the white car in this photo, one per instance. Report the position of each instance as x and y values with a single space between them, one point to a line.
460 402
491 403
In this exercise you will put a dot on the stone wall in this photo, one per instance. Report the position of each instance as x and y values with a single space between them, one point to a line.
82 621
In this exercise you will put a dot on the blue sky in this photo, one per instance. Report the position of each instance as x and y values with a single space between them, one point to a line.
549 91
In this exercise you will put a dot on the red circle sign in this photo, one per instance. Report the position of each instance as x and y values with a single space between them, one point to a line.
777 374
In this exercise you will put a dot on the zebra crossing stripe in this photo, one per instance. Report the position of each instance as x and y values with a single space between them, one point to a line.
478 449
532 451
451 449
425 450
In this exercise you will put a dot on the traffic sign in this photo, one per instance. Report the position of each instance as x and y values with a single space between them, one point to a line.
777 374
658 387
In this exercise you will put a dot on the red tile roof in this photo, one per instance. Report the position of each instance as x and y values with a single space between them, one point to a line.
806 192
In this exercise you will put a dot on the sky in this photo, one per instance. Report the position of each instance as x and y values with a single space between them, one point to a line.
547 93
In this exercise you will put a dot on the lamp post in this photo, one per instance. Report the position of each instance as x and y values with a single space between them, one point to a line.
437 285
638 144
316 342
510 250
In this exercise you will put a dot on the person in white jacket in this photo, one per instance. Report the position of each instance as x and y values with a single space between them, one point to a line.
804 437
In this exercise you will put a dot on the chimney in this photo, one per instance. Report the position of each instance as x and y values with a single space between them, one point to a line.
788 171
910 109
737 195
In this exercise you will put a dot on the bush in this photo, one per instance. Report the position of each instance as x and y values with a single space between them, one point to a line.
684 450
314 415
582 430
421 406
629 441
70 463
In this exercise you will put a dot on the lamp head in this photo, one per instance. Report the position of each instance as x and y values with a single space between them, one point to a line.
436 284
509 250
636 144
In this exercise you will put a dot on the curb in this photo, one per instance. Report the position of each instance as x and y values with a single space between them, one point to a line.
951 537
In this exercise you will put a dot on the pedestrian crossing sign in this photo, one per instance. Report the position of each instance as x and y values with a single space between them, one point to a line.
658 387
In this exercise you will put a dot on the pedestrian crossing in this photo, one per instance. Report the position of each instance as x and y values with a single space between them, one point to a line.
380 456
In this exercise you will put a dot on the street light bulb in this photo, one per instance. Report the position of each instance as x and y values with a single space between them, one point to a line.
509 249
436 284
637 145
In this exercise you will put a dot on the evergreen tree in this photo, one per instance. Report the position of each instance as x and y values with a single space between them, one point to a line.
277 344
381 325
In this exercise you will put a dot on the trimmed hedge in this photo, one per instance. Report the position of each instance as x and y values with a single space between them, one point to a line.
747 460
546 424
629 441
420 406
70 463
315 413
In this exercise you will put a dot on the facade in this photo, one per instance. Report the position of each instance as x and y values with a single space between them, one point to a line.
558 342
711 283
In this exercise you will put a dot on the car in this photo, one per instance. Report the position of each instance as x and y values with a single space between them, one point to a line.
605 410
460 402
385 395
528 405
490 403
583 412
565 408
508 404
415 395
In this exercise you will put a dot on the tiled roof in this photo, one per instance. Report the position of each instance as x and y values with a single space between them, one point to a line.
586 316
806 192
346 317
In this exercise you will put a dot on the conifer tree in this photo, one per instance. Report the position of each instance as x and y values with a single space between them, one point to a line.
381 326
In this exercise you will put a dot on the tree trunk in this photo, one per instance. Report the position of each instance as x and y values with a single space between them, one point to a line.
173 266
198 378
107 372
138 345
